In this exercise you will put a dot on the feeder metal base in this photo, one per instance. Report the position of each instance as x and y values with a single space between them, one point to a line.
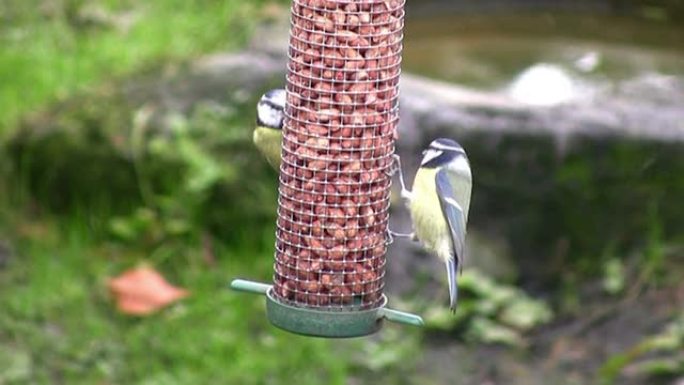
329 324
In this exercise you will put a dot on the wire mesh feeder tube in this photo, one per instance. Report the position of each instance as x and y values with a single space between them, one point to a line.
339 134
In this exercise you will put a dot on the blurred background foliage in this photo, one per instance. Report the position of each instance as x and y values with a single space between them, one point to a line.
180 200
51 48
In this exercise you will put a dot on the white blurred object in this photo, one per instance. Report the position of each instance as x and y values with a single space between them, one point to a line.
588 62
543 84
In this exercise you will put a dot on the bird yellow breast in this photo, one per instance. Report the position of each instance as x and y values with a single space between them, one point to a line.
269 142
426 212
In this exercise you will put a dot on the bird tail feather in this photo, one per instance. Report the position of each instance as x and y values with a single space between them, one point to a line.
452 274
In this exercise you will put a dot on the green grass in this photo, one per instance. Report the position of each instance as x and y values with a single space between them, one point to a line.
59 324
50 49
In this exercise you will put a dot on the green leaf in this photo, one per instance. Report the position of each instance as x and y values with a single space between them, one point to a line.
486 330
525 313
666 366
177 227
440 318
614 276
15 364
123 229
393 349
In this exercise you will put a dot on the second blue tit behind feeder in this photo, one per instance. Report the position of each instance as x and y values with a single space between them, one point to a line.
439 205
268 134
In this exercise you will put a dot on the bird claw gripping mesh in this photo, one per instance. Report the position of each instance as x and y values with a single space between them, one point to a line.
337 155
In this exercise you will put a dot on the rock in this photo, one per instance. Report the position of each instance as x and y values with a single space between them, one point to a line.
562 183
438 104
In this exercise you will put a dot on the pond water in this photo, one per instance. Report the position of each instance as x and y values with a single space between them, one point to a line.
548 58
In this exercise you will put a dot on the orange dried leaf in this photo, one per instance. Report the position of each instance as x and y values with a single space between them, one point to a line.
142 291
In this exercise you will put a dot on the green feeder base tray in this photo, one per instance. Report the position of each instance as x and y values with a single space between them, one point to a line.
330 324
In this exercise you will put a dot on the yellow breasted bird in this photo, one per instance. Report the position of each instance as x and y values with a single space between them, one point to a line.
268 134
439 205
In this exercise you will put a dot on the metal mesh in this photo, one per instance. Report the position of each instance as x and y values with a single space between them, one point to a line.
338 141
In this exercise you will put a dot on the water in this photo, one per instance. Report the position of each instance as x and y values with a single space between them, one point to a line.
547 59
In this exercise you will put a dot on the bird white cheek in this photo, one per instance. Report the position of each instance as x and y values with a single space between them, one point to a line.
269 116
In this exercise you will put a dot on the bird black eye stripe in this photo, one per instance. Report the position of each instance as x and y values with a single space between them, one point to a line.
272 105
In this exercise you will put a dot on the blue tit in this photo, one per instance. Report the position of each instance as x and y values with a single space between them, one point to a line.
268 134
439 205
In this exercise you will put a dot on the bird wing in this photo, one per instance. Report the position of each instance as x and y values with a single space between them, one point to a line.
455 218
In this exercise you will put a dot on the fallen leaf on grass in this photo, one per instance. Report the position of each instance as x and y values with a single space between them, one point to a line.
142 291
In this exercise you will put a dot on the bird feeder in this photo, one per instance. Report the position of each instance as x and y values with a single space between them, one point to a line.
341 116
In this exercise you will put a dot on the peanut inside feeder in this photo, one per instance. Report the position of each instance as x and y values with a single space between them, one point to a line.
338 141
340 126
